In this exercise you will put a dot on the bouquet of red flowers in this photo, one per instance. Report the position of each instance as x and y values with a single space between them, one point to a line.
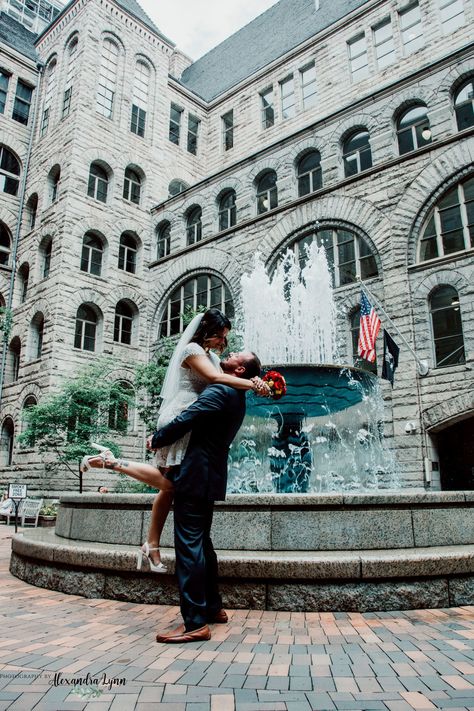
276 382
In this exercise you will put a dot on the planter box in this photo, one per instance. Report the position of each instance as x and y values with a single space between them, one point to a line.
46 521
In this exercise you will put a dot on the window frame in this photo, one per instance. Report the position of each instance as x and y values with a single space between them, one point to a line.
270 194
194 226
193 134
128 254
132 188
123 336
314 175
307 99
176 115
89 255
19 112
227 213
227 120
82 333
410 44
437 339
97 185
267 109
361 154
358 73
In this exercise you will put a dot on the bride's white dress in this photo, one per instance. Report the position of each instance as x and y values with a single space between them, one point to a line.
191 384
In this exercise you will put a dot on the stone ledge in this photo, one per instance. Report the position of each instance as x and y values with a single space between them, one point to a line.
44 545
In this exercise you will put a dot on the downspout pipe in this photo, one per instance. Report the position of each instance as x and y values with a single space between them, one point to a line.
16 239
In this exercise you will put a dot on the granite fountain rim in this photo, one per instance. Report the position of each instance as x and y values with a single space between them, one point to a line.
386 497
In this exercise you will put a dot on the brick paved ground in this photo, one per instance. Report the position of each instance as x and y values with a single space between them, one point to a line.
260 661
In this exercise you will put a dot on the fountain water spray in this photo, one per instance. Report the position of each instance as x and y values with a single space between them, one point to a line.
326 434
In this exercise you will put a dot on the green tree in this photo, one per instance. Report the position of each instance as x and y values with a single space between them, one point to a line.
65 423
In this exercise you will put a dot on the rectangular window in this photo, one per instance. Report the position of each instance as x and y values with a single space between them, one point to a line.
228 130
137 124
411 28
358 60
45 121
21 107
383 43
452 15
193 129
268 109
67 101
287 97
308 85
175 123
4 80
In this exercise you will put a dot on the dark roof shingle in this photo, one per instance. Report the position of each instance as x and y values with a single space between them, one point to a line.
15 35
279 29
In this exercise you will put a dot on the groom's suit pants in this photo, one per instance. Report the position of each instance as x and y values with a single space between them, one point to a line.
196 561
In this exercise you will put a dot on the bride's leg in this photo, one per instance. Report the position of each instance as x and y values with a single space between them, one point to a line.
159 514
145 473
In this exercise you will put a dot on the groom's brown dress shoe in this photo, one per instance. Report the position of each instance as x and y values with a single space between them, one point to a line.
179 635
220 617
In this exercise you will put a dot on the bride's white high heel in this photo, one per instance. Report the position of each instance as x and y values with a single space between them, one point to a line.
143 553
99 459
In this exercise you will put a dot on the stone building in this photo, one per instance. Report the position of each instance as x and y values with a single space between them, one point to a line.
136 182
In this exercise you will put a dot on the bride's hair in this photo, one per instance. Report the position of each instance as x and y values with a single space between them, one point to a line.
212 324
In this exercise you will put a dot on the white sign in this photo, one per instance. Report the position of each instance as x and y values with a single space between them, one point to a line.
17 491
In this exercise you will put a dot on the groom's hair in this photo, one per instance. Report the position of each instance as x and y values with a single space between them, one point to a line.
252 366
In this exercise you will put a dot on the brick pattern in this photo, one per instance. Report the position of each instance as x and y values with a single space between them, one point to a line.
260 661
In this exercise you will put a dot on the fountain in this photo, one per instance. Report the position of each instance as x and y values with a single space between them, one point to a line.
319 522
326 434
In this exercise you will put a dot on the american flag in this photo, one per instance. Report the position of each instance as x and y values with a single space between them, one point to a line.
368 330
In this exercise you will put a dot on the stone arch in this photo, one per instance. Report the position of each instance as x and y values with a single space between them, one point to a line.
404 99
448 411
31 389
15 147
114 37
456 75
8 218
224 185
129 294
275 164
140 57
40 306
444 277
72 35
371 223
223 265
427 186
87 296
164 216
127 225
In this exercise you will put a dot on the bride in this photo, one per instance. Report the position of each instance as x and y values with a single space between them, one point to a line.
192 367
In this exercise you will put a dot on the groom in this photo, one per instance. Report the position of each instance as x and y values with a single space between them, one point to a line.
199 481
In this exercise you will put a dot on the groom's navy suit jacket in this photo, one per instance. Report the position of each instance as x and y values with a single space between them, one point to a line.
213 421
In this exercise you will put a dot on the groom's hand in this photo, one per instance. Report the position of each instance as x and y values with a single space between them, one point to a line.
149 443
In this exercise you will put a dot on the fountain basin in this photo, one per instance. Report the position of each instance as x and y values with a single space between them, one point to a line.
396 550
324 435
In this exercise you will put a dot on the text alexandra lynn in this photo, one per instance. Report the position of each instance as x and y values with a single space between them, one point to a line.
88 680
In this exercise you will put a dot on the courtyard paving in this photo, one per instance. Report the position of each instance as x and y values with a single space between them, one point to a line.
65 653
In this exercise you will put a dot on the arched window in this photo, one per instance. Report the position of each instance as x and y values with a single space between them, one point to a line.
464 104
5 246
121 410
450 225
356 359
31 211
176 187
356 153
123 325
140 98
53 183
128 253
46 250
413 129
36 336
163 240
50 94
13 361
267 192
194 226
29 402
309 173
447 327
227 210
86 328
203 291
98 183
349 256
9 172
132 186
92 251
107 84
71 68
6 442
23 278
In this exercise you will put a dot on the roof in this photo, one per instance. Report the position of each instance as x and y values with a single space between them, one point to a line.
15 35
130 6
281 28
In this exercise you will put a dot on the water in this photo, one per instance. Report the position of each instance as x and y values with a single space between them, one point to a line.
326 434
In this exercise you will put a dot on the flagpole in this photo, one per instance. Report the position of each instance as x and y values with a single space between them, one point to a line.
423 368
